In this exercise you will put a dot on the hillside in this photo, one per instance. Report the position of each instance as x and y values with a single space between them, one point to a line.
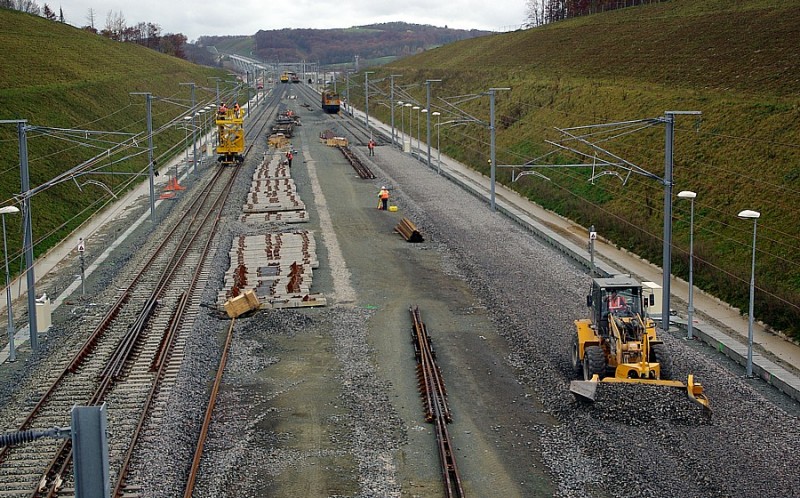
59 77
736 61
336 46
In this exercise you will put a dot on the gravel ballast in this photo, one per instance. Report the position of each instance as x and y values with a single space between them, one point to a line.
323 401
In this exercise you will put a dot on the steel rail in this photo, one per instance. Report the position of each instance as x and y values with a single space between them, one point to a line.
201 440
435 402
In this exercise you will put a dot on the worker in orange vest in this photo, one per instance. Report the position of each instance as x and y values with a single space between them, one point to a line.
289 157
616 303
383 196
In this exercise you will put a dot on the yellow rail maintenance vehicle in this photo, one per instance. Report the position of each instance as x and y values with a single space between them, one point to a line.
618 344
285 77
230 136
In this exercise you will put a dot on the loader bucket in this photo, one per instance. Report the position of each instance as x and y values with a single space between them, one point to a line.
585 390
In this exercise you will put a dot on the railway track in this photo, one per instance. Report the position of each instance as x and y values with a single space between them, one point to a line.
125 359
358 133
434 400
132 355
362 169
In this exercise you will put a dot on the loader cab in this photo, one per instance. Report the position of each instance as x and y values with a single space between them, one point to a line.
625 288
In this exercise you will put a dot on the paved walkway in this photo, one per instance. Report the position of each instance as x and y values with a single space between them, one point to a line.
775 359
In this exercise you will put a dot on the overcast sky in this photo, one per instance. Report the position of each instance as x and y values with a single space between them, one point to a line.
245 17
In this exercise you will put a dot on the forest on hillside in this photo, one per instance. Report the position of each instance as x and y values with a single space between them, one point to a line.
331 46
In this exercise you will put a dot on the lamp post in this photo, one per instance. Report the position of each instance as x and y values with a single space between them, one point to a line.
417 108
688 194
194 130
12 352
408 104
419 143
209 120
428 110
366 94
402 121
751 215
438 150
186 120
347 91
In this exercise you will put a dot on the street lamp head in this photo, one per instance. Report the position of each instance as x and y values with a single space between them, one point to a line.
687 194
424 110
416 107
436 113
408 104
748 214
9 210
400 102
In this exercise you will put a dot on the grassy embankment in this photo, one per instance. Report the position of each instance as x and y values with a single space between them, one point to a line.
57 76
736 61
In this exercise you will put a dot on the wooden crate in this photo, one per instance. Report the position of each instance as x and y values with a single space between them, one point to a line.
241 304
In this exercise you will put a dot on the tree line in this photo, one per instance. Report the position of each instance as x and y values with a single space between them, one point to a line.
541 12
332 46
147 34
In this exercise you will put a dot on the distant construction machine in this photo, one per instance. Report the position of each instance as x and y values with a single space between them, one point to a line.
618 344
230 136
330 102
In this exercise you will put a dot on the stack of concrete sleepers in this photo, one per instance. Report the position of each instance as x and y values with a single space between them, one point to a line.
277 266
273 196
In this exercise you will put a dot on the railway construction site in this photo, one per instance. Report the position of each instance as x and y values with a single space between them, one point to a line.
328 400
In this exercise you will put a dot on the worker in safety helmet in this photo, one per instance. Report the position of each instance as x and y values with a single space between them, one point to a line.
383 197
616 303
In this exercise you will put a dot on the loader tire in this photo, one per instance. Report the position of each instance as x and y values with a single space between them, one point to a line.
660 355
594 362
577 364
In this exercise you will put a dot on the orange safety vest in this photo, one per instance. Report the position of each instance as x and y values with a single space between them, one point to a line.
384 194
616 303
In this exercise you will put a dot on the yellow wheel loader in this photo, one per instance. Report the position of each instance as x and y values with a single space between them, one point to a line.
619 342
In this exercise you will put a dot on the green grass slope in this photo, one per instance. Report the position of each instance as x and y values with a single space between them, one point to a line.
736 61
57 76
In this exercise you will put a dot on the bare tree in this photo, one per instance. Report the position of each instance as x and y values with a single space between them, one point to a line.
28 6
534 10
115 25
